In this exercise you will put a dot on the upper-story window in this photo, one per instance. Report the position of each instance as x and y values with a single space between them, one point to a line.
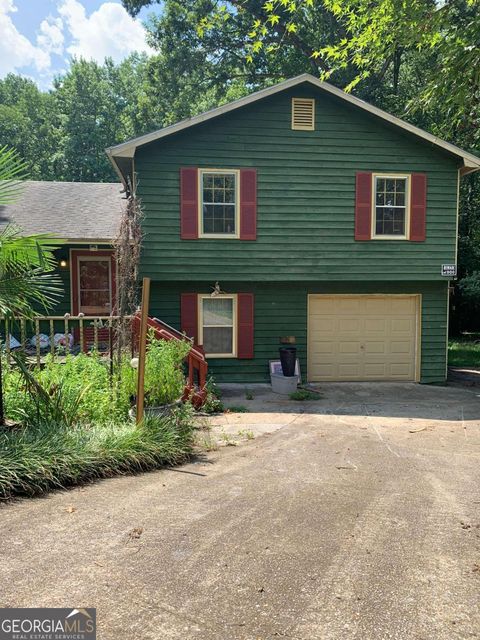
391 206
219 203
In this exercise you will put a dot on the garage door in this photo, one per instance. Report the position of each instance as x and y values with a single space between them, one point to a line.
363 337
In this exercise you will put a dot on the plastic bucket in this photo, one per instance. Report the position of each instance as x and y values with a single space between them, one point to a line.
282 384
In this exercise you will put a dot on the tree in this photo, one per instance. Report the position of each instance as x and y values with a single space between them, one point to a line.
88 121
351 40
27 124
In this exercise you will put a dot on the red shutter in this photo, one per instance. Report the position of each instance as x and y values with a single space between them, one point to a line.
363 206
248 204
245 325
189 203
418 207
189 315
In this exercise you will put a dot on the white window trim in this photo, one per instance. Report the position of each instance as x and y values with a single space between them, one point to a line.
406 235
219 236
230 296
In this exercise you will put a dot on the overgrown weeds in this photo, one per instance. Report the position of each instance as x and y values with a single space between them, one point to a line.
73 423
305 395
212 403
51 456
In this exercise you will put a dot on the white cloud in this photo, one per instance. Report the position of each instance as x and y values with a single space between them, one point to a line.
16 51
51 37
107 32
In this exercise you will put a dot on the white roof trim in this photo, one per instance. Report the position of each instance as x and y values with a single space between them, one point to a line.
127 149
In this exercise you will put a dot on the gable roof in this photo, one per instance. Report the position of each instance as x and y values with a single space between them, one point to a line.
73 211
121 154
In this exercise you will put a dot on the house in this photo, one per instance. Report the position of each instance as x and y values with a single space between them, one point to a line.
87 217
297 213
321 218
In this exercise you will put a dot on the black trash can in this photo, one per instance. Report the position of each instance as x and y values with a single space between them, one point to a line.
288 357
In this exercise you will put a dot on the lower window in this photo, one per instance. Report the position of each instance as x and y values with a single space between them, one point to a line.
218 327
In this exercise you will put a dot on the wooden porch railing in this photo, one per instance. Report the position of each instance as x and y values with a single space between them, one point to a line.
83 334
66 334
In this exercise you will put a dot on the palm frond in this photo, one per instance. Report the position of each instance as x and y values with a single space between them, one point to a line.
31 251
12 171
22 289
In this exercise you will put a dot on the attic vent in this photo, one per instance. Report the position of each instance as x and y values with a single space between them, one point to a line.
303 114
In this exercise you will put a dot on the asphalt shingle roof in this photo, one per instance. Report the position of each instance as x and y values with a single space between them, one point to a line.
67 210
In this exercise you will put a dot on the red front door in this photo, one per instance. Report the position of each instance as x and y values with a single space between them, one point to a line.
93 282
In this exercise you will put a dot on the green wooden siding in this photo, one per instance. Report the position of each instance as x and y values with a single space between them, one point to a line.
306 183
281 310
64 305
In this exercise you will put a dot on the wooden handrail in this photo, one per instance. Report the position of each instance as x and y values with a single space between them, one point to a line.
195 389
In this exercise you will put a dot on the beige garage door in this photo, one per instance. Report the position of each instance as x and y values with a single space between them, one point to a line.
363 337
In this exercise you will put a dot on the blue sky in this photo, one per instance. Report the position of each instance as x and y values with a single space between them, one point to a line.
39 37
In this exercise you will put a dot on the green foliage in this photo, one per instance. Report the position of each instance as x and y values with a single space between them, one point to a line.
464 353
12 171
240 408
212 403
246 433
50 456
303 395
79 391
213 388
27 272
75 426
76 392
27 263
164 376
470 288
47 403
28 123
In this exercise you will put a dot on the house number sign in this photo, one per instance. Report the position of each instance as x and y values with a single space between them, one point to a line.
449 270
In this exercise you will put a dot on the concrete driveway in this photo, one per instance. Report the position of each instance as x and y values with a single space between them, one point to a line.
356 517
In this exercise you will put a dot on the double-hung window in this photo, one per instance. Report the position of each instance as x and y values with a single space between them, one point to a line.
391 206
219 203
218 326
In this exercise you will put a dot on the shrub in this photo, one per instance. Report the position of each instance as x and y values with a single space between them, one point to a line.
80 391
164 376
50 456
77 391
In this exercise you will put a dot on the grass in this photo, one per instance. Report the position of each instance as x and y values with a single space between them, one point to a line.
240 408
463 353
246 433
302 395
48 457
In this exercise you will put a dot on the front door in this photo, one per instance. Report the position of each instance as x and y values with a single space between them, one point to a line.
93 282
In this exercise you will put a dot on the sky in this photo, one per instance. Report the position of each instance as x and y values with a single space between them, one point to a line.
39 37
